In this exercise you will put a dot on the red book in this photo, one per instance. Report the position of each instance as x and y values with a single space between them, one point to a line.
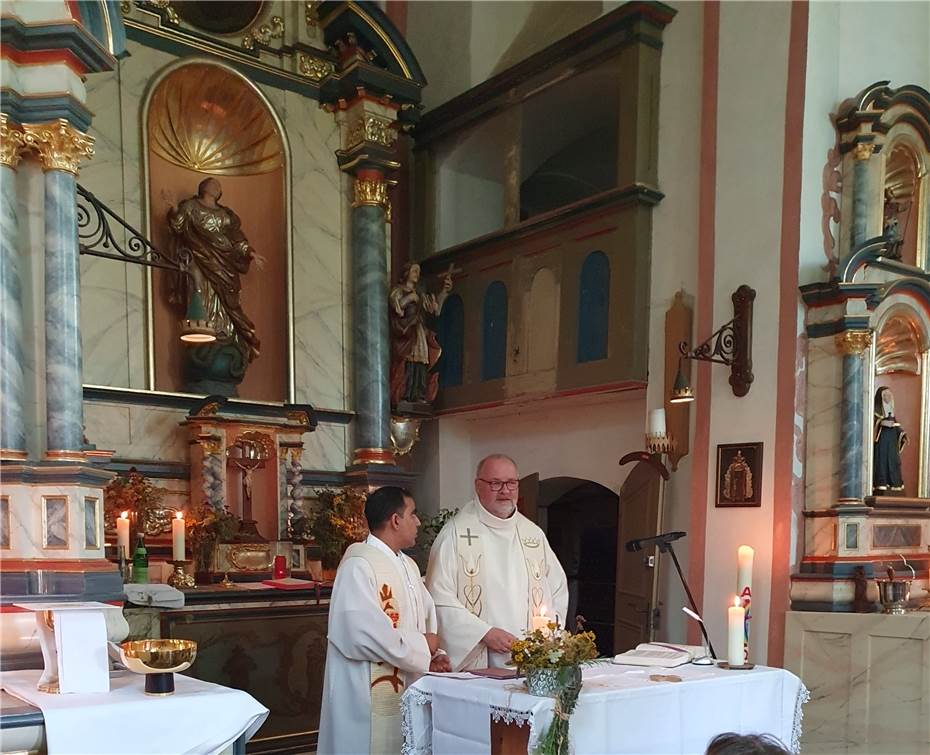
289 583
496 673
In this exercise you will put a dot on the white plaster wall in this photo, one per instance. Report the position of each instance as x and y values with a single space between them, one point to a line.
750 163
674 259
582 438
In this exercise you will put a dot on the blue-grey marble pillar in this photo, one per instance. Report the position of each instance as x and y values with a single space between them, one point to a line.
852 344
371 345
860 197
12 427
64 410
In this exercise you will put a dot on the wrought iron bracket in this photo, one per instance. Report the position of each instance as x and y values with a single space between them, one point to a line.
97 237
731 344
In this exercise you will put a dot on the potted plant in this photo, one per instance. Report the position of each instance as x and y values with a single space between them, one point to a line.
551 659
207 526
339 522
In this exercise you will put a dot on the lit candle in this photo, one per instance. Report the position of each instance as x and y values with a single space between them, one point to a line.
656 422
122 535
177 537
744 591
735 615
541 621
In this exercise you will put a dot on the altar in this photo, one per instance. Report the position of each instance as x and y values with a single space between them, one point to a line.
622 709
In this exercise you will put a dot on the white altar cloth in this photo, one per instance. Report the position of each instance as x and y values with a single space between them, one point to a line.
199 718
619 711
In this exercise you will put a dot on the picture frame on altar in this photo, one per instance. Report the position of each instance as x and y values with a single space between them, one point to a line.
739 475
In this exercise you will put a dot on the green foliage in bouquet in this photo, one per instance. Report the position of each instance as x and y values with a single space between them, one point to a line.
207 526
559 652
339 522
429 529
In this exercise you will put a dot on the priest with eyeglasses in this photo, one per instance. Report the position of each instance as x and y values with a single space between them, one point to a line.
491 570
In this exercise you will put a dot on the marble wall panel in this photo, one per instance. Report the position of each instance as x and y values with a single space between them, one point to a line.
824 397
137 432
819 536
325 449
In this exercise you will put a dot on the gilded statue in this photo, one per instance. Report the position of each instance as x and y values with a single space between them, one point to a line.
414 346
211 234
889 439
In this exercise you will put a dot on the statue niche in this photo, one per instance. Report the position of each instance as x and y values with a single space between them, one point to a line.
217 185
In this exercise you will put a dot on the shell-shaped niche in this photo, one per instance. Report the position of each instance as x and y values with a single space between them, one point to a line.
205 118
898 347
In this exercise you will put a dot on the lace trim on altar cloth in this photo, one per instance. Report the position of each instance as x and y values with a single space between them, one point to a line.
803 696
507 716
410 698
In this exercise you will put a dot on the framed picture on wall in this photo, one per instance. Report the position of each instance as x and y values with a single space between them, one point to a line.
739 474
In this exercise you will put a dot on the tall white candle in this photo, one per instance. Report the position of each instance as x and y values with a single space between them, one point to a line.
735 616
656 422
541 621
177 537
744 558
122 535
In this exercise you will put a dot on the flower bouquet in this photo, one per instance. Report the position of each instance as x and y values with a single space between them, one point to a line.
551 659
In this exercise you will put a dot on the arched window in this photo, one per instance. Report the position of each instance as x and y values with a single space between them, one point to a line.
593 307
452 341
494 332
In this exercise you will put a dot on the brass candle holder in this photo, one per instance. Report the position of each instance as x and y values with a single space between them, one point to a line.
179 578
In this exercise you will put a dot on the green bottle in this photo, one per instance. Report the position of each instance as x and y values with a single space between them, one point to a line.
140 562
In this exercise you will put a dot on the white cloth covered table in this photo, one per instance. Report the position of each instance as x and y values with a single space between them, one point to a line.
199 718
619 711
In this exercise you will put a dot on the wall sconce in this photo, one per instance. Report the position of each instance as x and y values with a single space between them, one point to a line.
730 345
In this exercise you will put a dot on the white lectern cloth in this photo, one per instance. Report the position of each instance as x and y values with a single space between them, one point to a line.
619 711
199 718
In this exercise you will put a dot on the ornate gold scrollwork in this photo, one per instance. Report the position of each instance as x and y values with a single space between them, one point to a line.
251 557
853 342
862 151
274 29
59 144
314 68
211 444
11 143
311 14
372 192
372 128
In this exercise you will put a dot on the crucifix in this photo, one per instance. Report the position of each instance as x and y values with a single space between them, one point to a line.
468 536
248 455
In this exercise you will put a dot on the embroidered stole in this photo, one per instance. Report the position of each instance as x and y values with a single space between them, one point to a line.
469 550
386 682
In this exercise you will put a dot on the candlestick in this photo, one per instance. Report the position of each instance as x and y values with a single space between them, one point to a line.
744 557
735 633
177 537
122 534
180 579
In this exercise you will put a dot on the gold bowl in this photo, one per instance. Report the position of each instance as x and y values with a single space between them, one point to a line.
159 660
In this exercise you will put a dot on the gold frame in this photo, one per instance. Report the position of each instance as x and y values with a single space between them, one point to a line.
6 513
46 499
98 528
146 208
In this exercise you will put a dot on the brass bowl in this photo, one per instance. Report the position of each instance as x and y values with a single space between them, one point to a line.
159 660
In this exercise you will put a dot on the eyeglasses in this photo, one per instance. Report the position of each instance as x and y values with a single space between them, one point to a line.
498 485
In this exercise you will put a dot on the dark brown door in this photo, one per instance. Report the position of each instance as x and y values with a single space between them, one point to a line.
529 497
637 572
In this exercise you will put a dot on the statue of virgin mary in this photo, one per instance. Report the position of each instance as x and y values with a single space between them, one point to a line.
889 439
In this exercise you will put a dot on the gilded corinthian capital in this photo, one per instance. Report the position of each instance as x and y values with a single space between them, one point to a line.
59 144
853 342
373 192
11 142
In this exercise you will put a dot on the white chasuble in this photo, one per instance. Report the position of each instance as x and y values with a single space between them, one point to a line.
378 613
489 572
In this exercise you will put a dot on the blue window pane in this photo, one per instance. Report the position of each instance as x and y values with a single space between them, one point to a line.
593 307
452 340
494 332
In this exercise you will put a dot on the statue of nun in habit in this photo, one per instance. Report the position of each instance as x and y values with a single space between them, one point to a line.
889 440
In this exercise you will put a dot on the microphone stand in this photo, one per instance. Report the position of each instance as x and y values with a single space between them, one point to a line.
666 547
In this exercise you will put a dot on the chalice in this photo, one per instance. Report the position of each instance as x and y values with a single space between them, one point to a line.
159 660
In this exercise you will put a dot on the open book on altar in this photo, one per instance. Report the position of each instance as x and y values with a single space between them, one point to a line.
659 654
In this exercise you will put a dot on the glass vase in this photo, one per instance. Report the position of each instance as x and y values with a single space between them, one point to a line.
546 682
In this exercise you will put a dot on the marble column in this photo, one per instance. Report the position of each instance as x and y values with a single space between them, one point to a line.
371 343
61 147
12 378
852 344
860 196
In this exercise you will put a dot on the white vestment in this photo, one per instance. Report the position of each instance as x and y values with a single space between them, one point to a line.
369 660
489 572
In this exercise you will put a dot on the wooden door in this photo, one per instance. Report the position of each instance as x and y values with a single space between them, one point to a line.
637 572
528 497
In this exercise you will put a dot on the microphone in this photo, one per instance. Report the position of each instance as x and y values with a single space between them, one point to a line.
660 540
